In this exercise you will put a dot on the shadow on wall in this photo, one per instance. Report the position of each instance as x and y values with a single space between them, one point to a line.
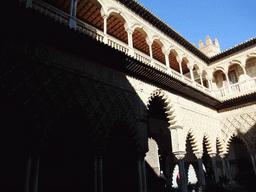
63 115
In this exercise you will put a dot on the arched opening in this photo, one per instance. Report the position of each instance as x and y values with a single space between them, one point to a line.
251 67
120 160
115 27
239 158
157 51
87 11
158 130
139 41
185 69
235 73
219 80
175 176
192 176
65 164
191 161
173 61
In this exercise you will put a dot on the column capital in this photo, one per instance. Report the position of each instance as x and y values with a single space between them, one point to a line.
180 155
130 31
175 127
105 16
199 155
212 155
150 43
166 52
191 67
222 155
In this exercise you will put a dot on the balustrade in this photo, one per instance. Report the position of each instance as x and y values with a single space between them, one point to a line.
159 65
51 11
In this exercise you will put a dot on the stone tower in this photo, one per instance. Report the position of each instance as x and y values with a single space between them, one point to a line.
209 49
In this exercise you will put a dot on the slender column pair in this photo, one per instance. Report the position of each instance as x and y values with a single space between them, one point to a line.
226 167
215 168
180 156
201 177
32 173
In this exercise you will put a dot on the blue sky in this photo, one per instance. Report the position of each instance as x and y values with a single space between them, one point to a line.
230 21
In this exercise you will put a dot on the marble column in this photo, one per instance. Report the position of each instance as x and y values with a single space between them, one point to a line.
72 19
95 173
215 168
130 42
140 175
144 175
75 8
150 49
168 174
253 157
182 171
71 8
100 173
105 38
228 168
210 84
201 176
180 65
29 3
36 173
225 167
28 173
201 79
228 82
167 62
191 72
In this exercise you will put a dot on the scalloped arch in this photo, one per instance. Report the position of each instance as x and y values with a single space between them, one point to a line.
170 110
193 140
231 138
220 145
209 143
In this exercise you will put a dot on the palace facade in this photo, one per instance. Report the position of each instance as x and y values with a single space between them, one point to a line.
101 95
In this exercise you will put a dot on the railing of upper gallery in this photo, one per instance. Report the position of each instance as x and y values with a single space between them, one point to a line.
113 42
237 89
